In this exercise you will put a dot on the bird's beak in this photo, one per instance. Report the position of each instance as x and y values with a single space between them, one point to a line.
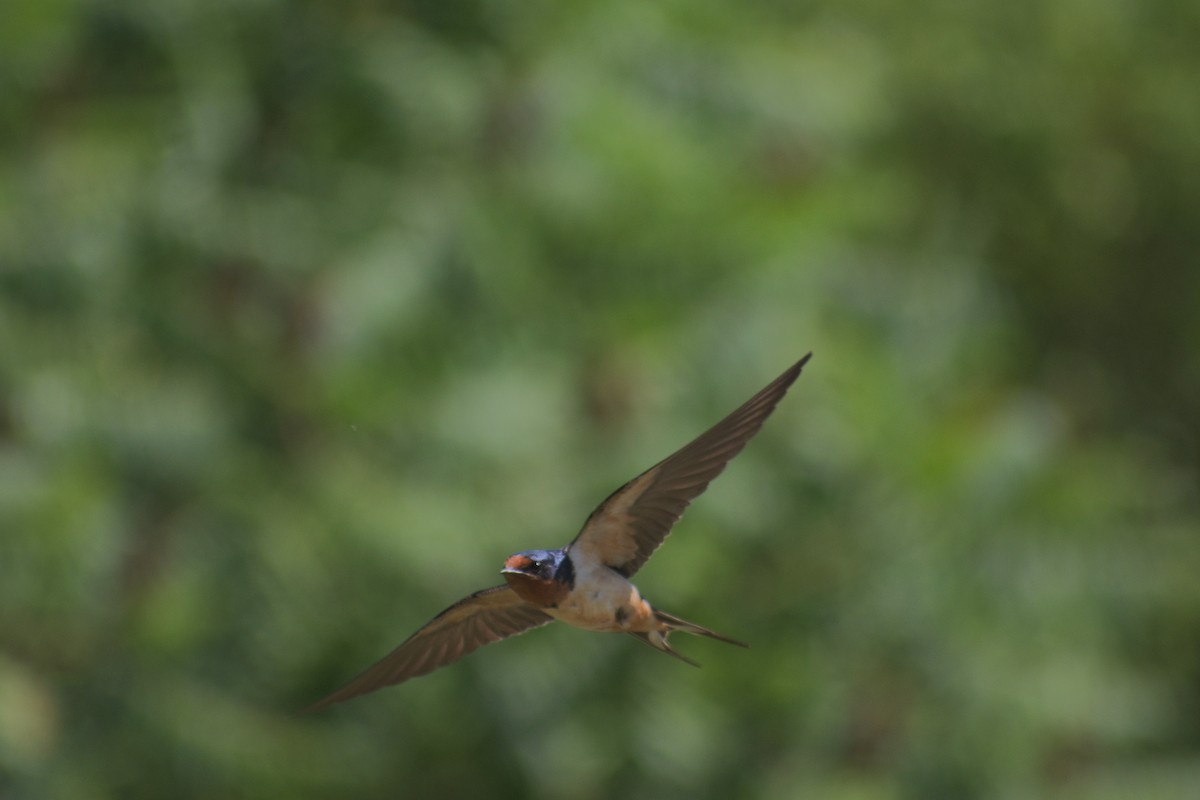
517 564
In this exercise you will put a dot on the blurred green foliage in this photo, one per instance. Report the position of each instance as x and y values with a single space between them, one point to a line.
312 313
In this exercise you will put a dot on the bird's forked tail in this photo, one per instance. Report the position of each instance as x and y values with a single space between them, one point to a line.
658 639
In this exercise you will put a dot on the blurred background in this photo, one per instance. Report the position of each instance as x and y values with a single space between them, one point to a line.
310 314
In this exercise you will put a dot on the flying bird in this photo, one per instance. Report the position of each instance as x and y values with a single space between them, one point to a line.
586 583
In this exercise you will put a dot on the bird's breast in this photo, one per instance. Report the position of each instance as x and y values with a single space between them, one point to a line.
602 600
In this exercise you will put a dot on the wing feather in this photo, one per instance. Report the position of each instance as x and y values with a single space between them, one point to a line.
625 530
482 618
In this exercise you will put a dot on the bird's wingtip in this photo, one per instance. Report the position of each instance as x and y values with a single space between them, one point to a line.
324 702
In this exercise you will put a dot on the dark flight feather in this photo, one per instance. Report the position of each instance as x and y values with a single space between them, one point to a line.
484 617
625 530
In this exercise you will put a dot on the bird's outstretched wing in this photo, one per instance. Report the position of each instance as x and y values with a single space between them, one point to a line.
482 618
625 530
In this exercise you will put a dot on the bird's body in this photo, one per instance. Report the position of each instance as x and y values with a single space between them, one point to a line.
585 584
598 599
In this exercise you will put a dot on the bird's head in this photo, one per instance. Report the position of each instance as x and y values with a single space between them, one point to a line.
541 577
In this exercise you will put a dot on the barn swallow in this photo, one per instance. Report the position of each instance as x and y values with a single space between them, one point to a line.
586 583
